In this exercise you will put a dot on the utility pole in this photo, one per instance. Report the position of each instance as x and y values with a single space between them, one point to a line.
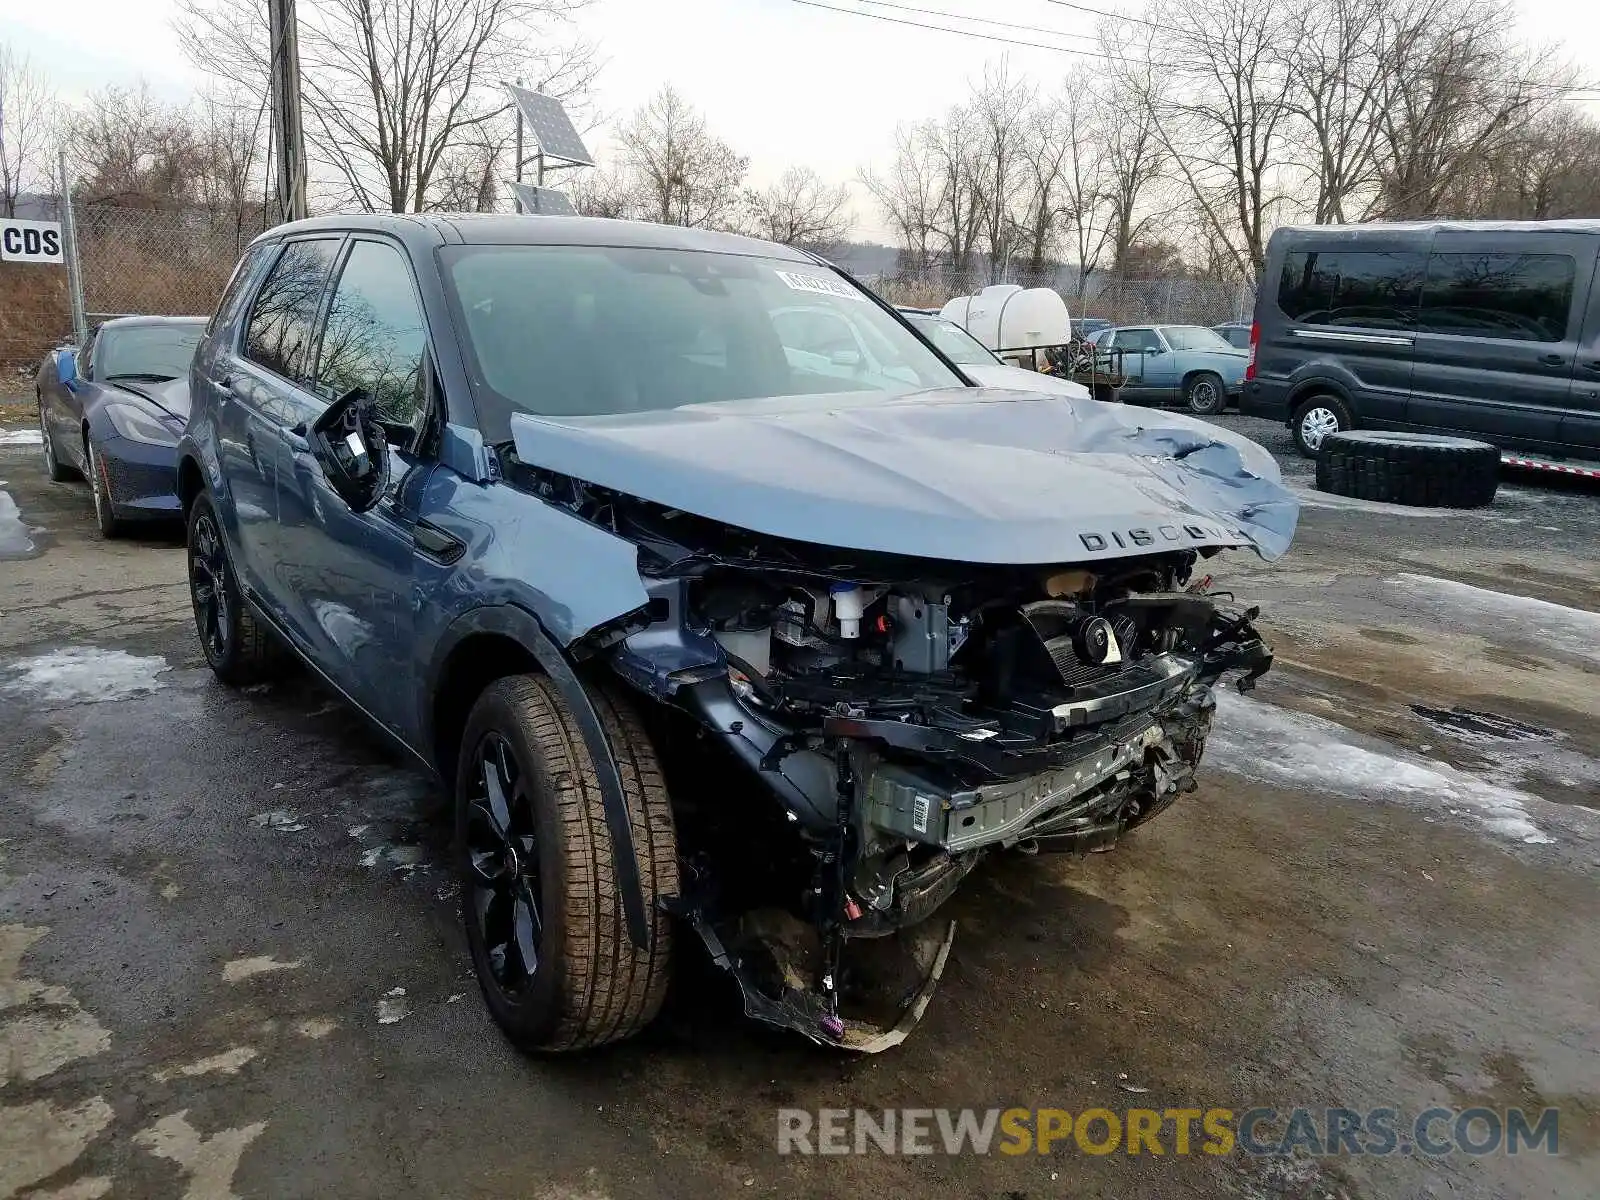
288 137
518 199
69 236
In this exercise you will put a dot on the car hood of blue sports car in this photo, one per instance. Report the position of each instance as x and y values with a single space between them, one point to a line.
172 396
961 474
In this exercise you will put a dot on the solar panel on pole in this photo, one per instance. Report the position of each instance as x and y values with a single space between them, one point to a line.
544 201
552 130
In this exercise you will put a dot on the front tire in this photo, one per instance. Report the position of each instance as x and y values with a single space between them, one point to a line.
238 647
105 516
1318 418
1205 394
543 911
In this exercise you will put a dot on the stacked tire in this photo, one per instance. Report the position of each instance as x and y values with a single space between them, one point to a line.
1418 469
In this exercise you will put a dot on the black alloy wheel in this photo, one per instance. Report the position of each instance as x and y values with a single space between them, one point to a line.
503 876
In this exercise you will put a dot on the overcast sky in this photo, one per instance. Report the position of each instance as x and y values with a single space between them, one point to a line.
783 82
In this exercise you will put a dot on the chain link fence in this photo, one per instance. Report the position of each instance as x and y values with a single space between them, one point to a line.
1122 301
138 261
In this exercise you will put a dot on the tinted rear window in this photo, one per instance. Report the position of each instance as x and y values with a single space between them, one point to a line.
1521 297
1370 289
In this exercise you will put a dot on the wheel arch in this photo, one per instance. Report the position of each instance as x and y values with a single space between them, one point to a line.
488 643
1304 390
191 482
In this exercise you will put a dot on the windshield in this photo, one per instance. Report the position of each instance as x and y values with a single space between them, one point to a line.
584 330
1193 337
959 346
149 351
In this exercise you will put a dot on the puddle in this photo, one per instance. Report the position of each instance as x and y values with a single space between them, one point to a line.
1469 725
16 539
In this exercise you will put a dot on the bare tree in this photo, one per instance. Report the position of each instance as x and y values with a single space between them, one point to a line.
908 197
1466 96
682 174
1344 56
1222 116
1135 161
1079 121
397 89
1001 111
952 150
800 209
27 128
607 191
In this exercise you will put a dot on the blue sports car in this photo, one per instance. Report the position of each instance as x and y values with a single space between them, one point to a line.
113 413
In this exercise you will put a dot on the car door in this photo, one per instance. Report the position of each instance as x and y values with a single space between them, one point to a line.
1136 344
1350 298
1162 368
63 406
351 607
1580 423
1498 333
256 389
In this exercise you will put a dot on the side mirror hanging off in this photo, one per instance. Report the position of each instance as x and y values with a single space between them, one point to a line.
349 444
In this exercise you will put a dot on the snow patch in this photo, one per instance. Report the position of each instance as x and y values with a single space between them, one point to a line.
245 968
1311 498
84 675
1273 745
393 1007
21 437
280 819
1575 631
15 537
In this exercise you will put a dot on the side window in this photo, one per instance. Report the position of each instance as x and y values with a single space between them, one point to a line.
1520 297
375 338
1135 339
85 362
233 295
1372 289
281 324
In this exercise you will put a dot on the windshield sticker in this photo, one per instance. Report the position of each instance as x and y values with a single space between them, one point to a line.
819 285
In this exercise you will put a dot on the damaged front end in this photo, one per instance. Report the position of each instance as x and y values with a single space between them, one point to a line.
900 719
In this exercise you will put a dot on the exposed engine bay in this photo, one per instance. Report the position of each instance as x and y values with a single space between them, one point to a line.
901 718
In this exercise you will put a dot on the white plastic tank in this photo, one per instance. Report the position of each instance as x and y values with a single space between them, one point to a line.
1008 317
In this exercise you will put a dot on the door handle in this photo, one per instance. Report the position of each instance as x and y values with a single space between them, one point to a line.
295 436
1552 360
1592 364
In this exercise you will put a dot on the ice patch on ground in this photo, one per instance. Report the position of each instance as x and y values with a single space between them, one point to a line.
15 537
83 675
393 1007
1273 745
1310 497
1575 631
21 437
280 819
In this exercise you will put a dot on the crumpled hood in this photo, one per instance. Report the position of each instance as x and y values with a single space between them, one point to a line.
967 474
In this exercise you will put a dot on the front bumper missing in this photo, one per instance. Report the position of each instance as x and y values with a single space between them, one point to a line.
770 958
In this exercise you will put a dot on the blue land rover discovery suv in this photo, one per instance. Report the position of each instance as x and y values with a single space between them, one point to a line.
580 511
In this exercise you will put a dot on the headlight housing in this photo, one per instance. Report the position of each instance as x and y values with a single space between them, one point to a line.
140 425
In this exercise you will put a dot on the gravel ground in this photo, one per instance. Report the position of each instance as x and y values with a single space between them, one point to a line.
231 960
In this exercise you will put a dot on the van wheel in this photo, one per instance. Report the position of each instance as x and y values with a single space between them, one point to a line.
1317 418
543 910
1205 394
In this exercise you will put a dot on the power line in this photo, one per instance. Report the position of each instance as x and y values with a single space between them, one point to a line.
1586 91
934 12
971 33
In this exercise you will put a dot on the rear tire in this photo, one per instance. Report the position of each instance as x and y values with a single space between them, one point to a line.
1417 469
1205 394
1317 418
535 856
238 647
53 469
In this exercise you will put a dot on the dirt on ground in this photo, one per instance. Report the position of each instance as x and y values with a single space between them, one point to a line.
231 958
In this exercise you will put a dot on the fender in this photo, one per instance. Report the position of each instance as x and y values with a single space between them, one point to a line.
518 623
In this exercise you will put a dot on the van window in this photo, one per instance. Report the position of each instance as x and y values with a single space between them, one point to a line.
1521 297
1372 289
